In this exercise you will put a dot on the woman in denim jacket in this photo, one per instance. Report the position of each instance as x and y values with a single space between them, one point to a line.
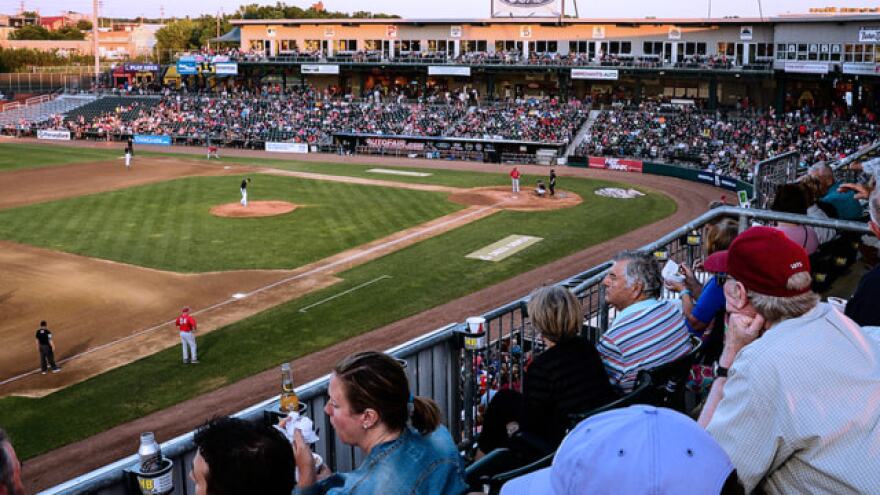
407 450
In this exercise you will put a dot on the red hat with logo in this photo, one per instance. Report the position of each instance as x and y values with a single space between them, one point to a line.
762 259
186 309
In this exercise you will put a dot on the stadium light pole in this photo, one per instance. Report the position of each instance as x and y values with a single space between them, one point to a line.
95 43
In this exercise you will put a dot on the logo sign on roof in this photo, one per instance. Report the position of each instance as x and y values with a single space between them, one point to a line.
869 34
527 8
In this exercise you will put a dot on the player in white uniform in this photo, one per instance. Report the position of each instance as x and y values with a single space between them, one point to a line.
244 184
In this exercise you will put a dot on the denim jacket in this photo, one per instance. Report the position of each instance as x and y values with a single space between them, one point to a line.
411 464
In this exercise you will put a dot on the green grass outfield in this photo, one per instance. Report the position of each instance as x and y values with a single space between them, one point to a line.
424 275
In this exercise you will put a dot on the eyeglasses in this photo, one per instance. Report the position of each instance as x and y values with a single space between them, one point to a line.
721 279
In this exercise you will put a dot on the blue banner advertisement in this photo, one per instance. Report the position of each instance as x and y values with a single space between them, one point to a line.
187 67
151 139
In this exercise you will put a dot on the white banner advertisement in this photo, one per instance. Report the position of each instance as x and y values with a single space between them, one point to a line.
603 74
869 34
319 69
807 67
226 68
527 8
287 147
861 69
443 70
56 135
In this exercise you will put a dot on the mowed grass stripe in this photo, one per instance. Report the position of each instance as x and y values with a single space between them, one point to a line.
19 156
175 231
423 275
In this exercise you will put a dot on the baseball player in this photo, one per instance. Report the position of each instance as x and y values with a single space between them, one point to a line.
128 154
552 182
213 151
244 184
514 179
46 347
187 326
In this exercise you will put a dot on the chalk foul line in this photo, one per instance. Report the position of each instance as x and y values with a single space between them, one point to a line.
349 291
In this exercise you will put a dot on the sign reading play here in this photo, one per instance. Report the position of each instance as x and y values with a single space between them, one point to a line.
505 247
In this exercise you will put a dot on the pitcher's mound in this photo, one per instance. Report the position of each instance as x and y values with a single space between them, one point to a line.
253 209
526 200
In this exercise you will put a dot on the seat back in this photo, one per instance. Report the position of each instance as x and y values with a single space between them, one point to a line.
669 379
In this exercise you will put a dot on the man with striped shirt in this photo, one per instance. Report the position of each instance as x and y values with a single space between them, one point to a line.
647 332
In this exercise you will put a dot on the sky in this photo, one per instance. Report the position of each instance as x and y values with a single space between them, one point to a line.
445 9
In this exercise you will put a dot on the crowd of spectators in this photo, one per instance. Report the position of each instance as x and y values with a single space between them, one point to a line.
309 116
730 142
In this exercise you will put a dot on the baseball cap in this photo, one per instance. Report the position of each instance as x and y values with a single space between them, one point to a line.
634 450
186 309
762 259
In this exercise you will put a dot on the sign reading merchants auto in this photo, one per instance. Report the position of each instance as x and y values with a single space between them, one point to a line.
603 74
527 8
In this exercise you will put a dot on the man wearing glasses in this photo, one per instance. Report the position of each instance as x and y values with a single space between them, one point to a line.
788 403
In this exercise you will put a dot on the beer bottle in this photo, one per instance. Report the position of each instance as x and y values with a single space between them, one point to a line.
289 400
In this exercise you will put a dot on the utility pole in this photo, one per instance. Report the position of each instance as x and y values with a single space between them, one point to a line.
95 41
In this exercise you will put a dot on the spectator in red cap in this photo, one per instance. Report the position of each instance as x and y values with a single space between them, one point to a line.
788 403
187 325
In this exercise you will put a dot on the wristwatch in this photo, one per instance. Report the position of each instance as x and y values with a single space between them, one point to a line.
720 371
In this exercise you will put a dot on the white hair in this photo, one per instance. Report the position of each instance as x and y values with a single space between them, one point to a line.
874 205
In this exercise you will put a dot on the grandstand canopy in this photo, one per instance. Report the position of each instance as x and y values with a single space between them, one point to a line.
233 36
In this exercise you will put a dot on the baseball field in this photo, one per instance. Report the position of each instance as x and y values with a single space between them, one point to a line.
109 256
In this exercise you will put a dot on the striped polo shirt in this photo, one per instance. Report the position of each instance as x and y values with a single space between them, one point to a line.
644 335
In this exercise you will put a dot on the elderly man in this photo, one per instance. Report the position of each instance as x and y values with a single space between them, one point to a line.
647 332
789 399
862 307
843 201
10 468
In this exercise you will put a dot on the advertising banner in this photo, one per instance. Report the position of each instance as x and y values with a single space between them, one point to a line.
603 74
807 67
609 163
869 34
527 8
187 67
53 134
319 69
287 147
141 67
152 139
861 69
719 180
226 68
445 70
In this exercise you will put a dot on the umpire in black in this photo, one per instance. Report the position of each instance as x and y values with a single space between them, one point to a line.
46 346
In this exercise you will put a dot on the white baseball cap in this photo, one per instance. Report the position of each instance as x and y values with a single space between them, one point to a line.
632 451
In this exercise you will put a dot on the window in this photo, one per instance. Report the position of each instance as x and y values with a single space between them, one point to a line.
764 50
468 46
312 45
345 46
257 45
508 46
577 47
407 46
438 45
543 46
288 46
653 48
728 49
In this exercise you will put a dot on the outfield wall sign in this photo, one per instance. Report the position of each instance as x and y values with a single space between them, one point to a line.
504 248
861 69
718 180
319 69
442 70
806 67
152 139
609 163
602 74
226 68
53 134
287 147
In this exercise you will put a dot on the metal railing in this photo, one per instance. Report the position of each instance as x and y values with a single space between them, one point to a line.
439 367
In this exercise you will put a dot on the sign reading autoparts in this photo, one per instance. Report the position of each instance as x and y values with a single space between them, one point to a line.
609 163
319 69
442 70
55 135
605 75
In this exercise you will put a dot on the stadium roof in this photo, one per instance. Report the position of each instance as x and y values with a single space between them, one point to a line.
680 21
